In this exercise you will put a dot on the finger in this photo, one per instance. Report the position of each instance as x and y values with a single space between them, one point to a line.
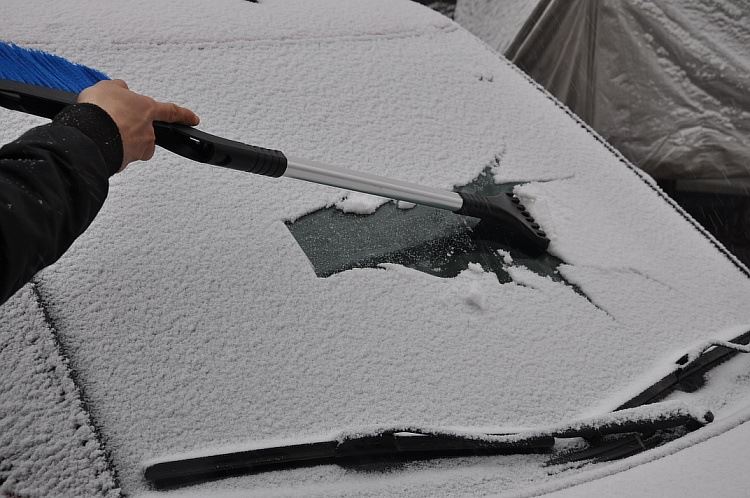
84 95
120 83
172 113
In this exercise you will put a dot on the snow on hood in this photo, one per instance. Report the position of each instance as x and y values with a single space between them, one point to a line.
194 318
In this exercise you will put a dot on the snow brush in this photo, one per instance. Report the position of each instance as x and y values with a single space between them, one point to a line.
42 84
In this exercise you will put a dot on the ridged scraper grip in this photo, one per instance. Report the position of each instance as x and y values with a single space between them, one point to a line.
511 217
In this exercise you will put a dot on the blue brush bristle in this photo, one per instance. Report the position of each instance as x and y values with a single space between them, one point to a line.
40 68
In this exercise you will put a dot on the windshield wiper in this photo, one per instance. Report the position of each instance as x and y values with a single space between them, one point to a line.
413 443
690 368
401 443
688 376
637 420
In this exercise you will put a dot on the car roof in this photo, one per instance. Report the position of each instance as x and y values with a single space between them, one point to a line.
193 317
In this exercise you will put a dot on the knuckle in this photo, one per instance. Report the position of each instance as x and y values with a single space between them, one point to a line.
172 111
114 83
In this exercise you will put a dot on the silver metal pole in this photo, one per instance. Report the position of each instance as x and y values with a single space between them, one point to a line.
312 171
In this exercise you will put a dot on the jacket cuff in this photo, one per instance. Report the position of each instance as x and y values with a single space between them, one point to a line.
96 124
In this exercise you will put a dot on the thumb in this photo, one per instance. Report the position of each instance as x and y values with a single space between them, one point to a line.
120 83
172 113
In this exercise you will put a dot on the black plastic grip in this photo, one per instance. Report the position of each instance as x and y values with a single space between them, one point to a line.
510 216
206 148
180 139
32 99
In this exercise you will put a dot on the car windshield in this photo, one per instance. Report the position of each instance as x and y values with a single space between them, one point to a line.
207 307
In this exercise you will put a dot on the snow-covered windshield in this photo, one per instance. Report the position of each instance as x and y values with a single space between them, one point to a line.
193 317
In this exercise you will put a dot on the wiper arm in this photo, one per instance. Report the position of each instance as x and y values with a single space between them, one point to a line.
413 443
688 375
690 368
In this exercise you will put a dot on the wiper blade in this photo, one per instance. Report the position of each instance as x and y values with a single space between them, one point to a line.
405 443
413 443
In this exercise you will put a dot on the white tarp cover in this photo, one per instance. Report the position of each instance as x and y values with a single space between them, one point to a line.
665 81
497 23
193 319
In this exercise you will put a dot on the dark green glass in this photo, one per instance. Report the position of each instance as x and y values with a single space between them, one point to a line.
430 240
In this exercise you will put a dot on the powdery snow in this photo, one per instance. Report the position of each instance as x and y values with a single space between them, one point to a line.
194 319
360 203
47 446
405 205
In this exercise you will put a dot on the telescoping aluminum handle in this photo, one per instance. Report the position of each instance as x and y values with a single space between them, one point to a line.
312 171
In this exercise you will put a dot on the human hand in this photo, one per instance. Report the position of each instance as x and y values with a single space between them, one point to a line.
134 115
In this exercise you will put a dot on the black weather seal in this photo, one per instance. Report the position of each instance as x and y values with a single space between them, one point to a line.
71 370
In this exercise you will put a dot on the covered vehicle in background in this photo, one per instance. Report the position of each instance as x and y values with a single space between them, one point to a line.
666 82
304 340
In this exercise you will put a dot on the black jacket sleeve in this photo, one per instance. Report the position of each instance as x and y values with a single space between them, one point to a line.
53 181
